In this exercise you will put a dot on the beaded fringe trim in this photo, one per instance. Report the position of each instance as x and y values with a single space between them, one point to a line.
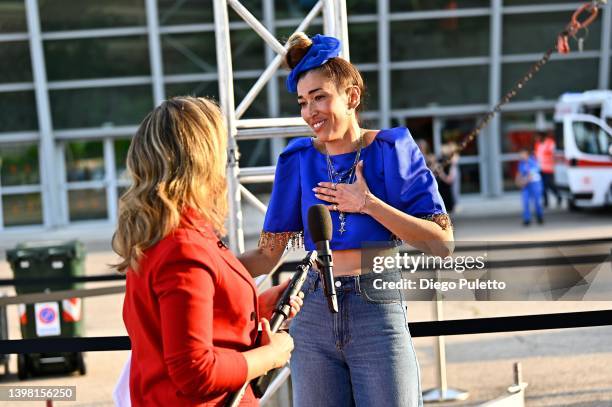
295 240
291 240
441 219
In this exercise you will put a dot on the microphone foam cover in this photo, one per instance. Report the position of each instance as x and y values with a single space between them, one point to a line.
319 223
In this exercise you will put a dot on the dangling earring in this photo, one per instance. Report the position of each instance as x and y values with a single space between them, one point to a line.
348 112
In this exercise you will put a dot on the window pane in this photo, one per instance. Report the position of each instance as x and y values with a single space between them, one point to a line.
259 107
87 204
172 12
255 7
13 16
435 5
439 38
75 108
578 76
189 53
195 52
370 99
535 33
518 131
121 150
509 169
469 174
442 86
247 50
97 58
207 89
21 210
84 161
19 164
293 8
254 153
361 7
57 15
363 42
15 65
455 131
18 111
287 101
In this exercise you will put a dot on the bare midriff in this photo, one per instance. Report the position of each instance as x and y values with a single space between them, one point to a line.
348 262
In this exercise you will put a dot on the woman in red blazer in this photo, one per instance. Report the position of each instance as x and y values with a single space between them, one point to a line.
191 309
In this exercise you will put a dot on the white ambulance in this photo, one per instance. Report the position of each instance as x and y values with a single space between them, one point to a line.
583 159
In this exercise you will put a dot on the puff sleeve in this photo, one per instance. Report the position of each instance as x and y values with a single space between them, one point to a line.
410 185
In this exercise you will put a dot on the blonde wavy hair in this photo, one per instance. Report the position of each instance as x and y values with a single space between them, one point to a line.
177 159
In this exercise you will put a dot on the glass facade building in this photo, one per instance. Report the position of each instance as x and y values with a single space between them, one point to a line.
76 78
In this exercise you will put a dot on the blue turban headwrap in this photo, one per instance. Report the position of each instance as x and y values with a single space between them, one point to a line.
323 48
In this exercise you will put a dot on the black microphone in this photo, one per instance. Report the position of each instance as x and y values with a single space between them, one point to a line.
283 307
280 314
320 227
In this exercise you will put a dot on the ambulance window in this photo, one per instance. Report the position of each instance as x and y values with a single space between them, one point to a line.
559 135
604 141
590 138
592 110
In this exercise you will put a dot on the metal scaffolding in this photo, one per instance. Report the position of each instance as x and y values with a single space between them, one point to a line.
335 24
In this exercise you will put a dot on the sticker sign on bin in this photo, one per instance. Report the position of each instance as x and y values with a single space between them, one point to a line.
47 319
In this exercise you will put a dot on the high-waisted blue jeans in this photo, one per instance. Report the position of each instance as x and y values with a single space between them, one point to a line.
362 356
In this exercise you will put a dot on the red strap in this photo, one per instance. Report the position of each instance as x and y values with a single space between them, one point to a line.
563 45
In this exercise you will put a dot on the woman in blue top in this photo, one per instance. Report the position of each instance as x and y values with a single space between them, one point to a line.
378 189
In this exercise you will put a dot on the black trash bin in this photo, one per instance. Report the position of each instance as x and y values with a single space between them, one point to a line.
4 358
63 318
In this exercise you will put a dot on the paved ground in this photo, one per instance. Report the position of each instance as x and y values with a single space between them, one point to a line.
563 368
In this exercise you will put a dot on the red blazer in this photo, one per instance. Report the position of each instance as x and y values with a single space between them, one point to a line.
189 311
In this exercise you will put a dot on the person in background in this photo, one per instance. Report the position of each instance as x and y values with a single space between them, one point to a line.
446 170
426 151
529 180
456 186
545 153
191 309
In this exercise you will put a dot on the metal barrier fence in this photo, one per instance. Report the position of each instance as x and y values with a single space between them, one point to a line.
437 329
471 326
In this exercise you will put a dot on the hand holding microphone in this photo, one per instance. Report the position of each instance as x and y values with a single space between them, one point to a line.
320 227
285 307
279 344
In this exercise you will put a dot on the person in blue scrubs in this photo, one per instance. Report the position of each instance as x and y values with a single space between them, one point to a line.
379 191
530 182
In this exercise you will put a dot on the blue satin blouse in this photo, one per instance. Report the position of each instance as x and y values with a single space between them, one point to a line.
394 170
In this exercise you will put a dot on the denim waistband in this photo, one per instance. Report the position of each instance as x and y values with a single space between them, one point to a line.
349 284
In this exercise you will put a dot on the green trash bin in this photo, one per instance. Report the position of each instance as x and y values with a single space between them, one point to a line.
62 318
